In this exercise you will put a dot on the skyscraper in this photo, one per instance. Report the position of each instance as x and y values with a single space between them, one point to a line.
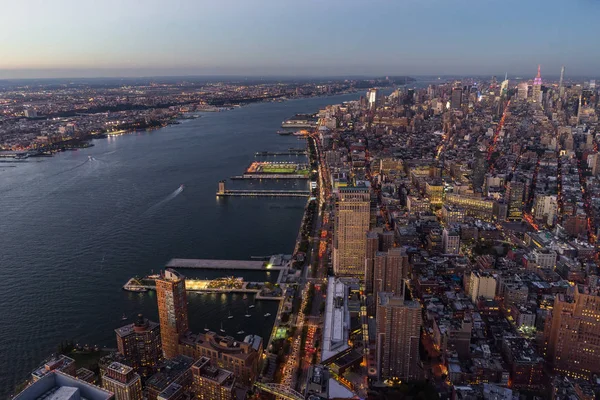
140 343
123 382
398 332
561 89
515 193
352 218
172 310
456 100
371 250
537 87
373 97
389 271
574 342
522 90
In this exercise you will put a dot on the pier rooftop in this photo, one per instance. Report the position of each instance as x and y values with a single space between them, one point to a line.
215 264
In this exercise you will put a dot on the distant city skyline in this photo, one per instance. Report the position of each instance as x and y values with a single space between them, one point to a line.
68 38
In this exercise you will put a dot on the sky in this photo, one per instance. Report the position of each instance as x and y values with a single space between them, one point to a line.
85 38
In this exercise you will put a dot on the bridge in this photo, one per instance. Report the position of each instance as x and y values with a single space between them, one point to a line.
264 193
281 391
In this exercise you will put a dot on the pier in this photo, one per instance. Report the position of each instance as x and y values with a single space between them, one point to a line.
280 153
219 285
222 192
269 176
264 193
216 264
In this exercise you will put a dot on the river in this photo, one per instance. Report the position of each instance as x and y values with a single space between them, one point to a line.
76 226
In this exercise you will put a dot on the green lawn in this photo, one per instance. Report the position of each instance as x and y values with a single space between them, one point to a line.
278 169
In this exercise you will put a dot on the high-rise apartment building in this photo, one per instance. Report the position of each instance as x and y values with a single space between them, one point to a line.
140 343
482 284
352 216
211 382
398 331
239 356
561 88
172 310
450 241
390 269
123 381
574 342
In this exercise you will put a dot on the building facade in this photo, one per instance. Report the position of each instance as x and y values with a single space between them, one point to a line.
211 382
172 310
574 342
352 219
398 334
140 343
123 381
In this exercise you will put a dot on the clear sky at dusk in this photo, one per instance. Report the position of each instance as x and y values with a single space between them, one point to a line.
305 37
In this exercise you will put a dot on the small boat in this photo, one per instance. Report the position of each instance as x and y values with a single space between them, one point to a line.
247 314
222 330
182 186
124 317
267 314
230 316
206 328
241 332
251 306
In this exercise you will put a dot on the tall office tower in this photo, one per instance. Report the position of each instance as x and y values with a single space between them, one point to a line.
212 383
537 87
522 90
140 344
371 251
504 86
398 330
574 342
515 194
456 100
123 382
373 97
172 310
389 271
479 170
352 217
561 89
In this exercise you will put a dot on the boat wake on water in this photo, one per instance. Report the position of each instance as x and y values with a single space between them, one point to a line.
164 201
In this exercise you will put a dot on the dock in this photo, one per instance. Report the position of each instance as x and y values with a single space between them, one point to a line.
280 153
216 264
269 176
263 193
